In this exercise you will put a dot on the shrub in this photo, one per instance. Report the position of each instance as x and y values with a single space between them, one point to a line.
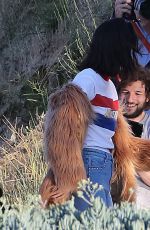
32 216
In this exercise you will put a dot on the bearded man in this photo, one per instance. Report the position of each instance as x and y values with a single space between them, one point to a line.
135 97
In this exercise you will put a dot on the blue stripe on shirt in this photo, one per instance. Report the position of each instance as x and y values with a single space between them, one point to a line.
105 122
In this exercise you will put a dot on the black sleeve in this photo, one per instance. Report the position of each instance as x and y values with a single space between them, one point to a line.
136 127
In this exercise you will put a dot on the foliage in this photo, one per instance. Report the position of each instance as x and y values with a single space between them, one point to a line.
37 34
82 18
31 38
22 166
36 97
25 17
66 216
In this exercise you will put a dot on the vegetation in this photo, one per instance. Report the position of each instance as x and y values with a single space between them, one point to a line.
59 31
31 216
42 41
71 24
22 166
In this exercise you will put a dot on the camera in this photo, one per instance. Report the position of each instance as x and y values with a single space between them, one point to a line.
136 5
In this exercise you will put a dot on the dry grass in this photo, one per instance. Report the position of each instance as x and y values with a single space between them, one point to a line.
22 166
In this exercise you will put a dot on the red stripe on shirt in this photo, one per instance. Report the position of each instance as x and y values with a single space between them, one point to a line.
103 101
106 77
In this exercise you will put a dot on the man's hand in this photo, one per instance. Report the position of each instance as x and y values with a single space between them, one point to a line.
121 7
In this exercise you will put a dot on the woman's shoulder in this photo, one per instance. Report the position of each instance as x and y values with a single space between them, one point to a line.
86 72
87 75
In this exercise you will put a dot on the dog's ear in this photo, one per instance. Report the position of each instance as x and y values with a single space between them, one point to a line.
124 156
142 155
68 116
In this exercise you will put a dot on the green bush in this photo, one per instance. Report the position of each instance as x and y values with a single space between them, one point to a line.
32 216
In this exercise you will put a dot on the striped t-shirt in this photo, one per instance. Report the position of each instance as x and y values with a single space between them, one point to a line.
104 99
144 56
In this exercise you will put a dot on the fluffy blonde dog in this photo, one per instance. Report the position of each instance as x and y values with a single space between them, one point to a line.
67 119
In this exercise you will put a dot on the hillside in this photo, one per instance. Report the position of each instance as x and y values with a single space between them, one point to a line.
40 42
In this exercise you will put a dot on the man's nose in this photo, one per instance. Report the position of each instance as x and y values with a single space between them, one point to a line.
130 98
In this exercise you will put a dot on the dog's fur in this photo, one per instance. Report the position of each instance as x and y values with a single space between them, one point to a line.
67 119
124 158
69 114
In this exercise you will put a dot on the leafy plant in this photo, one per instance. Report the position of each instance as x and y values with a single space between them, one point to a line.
66 216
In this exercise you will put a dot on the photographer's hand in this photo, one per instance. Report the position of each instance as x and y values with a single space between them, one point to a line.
121 7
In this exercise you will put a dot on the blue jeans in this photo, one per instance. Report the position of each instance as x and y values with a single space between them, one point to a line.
99 167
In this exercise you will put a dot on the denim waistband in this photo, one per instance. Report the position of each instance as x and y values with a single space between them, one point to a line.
96 152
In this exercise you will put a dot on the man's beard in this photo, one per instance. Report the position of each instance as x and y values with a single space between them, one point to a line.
136 113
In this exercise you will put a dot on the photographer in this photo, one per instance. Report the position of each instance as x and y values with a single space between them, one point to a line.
139 11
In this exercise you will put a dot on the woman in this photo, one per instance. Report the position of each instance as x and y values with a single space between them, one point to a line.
111 53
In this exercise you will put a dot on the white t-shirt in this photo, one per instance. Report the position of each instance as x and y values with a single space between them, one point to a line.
104 99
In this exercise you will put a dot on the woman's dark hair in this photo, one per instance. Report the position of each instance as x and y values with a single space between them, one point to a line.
145 9
112 49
